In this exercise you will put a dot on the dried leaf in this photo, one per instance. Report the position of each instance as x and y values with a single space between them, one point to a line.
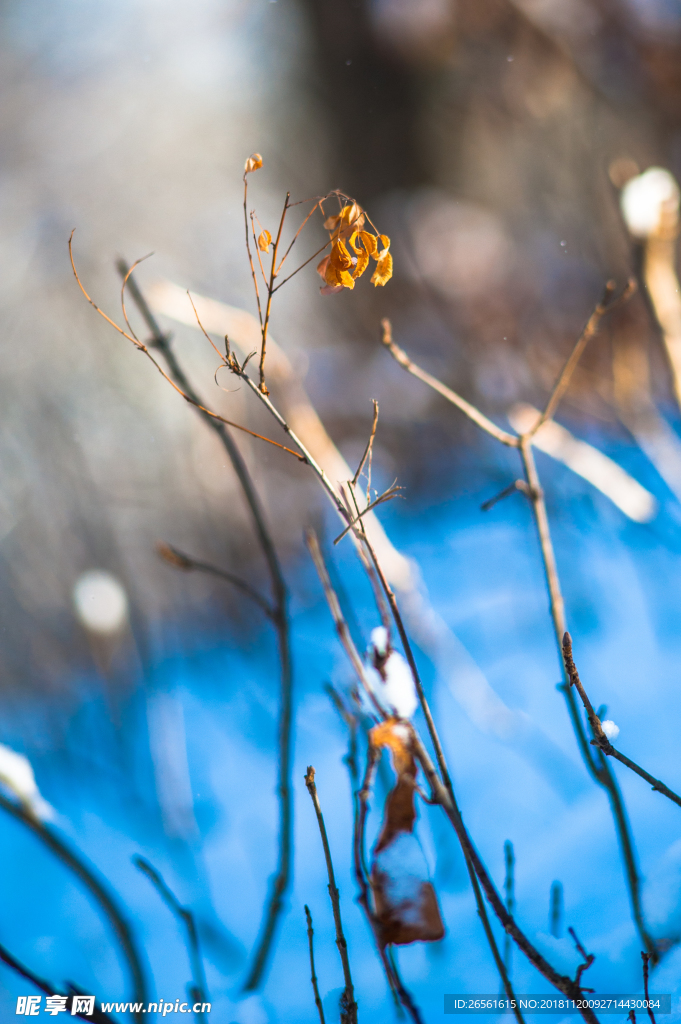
369 242
254 163
405 903
384 269
361 254
264 241
350 218
396 736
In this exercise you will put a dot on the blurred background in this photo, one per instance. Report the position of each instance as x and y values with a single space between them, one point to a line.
490 139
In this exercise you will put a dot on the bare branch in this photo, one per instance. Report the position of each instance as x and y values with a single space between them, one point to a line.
606 305
179 560
339 619
391 492
248 249
473 414
370 445
588 958
517 485
348 1004
143 348
98 1017
645 957
270 292
600 738
198 990
313 976
97 888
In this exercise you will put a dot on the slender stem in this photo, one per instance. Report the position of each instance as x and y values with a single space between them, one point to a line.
369 447
248 249
645 957
313 976
282 878
348 1004
307 456
298 269
398 990
599 769
270 292
473 414
199 989
179 560
98 1017
188 397
97 887
600 739
563 983
606 305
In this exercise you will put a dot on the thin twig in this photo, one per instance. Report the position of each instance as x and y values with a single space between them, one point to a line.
270 292
295 237
97 888
248 248
339 619
179 560
313 976
348 1004
588 958
198 990
98 1017
440 795
281 881
517 485
600 738
397 989
645 957
391 492
370 444
361 810
301 267
509 860
606 305
474 414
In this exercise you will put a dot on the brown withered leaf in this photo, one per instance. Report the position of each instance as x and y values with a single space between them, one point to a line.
405 903
254 163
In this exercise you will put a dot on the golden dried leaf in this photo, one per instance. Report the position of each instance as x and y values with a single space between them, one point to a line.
264 241
343 224
396 736
369 242
361 254
384 269
254 163
322 266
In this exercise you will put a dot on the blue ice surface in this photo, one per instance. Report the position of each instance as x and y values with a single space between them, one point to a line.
483 574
